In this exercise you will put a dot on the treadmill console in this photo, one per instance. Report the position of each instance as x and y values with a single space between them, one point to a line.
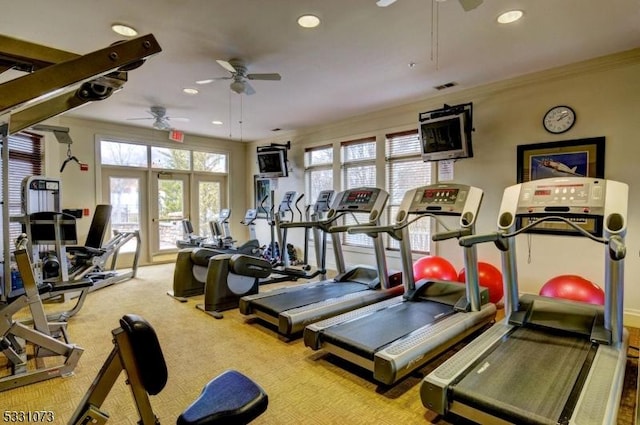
442 199
364 199
440 196
582 197
585 201
323 203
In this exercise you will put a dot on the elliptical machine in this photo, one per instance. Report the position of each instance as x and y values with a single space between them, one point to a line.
281 252
230 277
221 235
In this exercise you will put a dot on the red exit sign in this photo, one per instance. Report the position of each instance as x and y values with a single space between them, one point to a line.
176 136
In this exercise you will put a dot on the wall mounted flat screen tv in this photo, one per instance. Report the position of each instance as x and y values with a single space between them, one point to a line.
272 163
446 133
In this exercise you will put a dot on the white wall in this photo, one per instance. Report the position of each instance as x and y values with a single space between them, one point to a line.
605 94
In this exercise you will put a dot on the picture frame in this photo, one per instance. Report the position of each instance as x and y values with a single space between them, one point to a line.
262 189
578 157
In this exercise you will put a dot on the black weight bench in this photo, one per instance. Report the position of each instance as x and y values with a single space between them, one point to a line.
230 399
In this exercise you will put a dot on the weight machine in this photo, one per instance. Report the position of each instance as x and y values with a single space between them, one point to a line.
14 335
46 225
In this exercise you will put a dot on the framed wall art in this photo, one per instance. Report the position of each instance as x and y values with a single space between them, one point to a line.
569 158
262 192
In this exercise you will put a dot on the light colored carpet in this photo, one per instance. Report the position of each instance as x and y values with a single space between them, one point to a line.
304 387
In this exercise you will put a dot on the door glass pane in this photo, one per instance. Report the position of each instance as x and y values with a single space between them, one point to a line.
170 212
208 205
124 196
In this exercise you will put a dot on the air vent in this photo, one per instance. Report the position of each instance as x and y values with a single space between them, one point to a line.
276 129
445 86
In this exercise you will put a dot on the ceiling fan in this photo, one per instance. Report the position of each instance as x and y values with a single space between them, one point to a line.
238 70
161 120
467 5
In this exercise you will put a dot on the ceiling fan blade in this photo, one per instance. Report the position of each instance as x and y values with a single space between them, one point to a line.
468 5
211 80
178 119
272 76
385 3
226 65
248 89
136 119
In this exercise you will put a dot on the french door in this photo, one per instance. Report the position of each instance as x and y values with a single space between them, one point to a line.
209 197
169 206
155 203
126 191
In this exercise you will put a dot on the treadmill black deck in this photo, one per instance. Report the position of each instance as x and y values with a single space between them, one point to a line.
528 378
368 334
286 301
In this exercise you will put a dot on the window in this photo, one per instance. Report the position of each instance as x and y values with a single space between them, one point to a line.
211 162
25 159
406 170
126 154
358 170
318 171
137 155
171 159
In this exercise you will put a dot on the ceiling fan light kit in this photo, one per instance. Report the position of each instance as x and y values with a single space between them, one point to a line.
238 70
161 120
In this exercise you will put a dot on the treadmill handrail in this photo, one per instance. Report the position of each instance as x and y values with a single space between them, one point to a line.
496 236
304 224
450 234
393 230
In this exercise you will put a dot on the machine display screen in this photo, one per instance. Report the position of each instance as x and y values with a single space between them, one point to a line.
440 196
562 193
357 197
542 192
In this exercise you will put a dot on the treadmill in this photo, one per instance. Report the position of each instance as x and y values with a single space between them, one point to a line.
292 308
550 361
396 336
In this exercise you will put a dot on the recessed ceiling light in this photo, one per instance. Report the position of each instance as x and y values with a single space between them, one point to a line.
510 16
125 30
189 90
216 122
308 21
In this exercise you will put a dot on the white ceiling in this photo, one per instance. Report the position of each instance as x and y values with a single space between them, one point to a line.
355 62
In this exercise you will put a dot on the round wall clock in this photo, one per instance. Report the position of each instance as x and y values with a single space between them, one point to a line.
559 119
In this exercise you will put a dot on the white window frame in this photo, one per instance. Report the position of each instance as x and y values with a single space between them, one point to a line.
310 166
395 159
362 241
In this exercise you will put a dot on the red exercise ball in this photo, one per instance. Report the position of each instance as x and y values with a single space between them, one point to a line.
573 287
433 267
489 277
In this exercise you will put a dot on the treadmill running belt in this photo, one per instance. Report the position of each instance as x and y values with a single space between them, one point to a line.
527 379
305 296
368 334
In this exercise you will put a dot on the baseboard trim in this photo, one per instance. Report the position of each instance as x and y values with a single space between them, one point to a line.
632 318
